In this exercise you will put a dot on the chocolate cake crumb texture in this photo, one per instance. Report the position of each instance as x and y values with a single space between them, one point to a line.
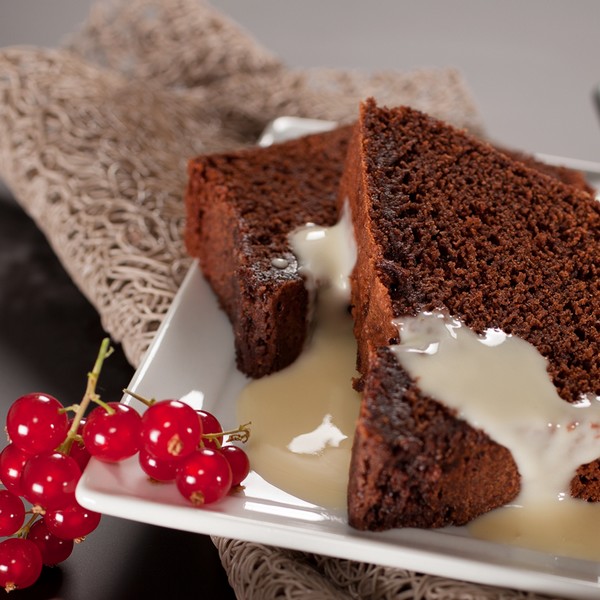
447 222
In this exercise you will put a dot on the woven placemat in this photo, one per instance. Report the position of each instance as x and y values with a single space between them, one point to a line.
94 141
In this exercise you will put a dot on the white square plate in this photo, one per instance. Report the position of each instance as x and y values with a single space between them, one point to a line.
193 350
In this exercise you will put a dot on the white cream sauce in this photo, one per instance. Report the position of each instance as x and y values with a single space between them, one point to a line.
304 416
326 257
303 419
499 383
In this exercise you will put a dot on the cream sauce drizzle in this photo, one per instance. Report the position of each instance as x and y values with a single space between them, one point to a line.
304 416
499 383
303 419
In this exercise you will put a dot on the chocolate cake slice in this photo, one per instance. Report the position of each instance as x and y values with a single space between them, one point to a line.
446 222
240 208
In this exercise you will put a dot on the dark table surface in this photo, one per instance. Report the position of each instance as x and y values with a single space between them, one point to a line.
49 337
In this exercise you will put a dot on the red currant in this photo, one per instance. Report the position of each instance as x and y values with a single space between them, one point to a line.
36 424
210 424
54 550
49 480
12 513
78 450
170 428
239 463
112 437
204 477
20 563
80 454
12 461
71 523
158 469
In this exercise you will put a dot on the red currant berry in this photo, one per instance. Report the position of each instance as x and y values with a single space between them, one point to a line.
12 513
12 461
239 463
204 477
80 454
78 450
49 480
20 563
36 424
170 428
71 523
112 437
158 469
210 424
54 550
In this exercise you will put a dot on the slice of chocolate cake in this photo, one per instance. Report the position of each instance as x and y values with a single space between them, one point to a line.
240 208
445 222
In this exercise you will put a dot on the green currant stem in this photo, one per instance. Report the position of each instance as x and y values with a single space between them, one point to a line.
89 396
142 399
24 530
65 409
109 409
241 434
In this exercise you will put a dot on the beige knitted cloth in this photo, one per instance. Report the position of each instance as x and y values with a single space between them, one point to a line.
94 140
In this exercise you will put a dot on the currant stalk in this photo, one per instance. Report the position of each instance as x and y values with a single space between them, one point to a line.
239 434
90 395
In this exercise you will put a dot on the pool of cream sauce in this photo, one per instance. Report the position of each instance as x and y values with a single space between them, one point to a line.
304 416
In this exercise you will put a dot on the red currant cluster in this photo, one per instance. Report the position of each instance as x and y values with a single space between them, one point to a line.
41 465
176 443
47 452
